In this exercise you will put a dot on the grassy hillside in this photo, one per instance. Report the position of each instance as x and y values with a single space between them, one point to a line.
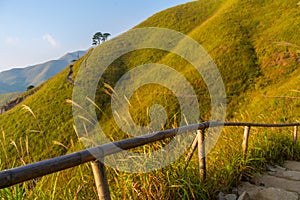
255 45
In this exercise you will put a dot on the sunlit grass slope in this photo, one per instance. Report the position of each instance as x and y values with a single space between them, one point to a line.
255 44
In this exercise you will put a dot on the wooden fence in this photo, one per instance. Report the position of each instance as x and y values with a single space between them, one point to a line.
21 174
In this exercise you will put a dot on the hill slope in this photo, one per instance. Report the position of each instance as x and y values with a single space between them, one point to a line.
255 45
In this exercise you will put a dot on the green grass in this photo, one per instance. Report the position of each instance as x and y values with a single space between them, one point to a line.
255 45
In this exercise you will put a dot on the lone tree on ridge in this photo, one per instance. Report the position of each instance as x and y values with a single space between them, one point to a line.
99 37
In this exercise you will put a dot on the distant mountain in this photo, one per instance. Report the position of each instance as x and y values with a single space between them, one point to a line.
18 79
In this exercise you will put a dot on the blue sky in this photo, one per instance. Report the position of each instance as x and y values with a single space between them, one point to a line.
35 31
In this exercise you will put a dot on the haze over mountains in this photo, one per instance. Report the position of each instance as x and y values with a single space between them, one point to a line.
18 79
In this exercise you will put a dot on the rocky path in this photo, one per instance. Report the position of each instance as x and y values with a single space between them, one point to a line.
278 183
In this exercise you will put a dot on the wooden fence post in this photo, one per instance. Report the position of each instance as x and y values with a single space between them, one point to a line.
191 152
101 180
295 134
201 154
245 141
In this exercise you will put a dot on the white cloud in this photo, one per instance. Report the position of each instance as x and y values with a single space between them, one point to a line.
12 40
50 40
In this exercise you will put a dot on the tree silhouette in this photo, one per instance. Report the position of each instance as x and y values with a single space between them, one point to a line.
105 36
99 37
30 87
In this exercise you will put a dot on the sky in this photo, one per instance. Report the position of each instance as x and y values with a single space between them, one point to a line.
36 31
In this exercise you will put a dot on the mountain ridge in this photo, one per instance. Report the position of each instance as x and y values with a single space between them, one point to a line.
18 79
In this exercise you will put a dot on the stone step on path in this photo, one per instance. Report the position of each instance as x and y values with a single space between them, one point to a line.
292 165
278 183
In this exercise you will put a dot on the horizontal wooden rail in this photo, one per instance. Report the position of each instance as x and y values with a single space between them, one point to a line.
212 124
20 174
247 126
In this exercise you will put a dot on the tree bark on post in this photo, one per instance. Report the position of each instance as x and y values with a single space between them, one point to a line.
201 154
245 141
101 180
295 134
